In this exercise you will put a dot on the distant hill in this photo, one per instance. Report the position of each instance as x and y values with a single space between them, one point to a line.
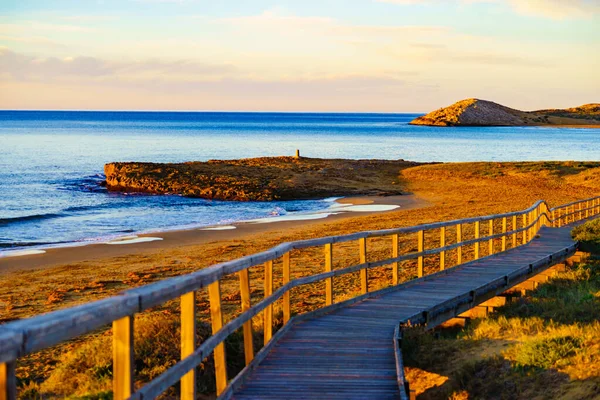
475 112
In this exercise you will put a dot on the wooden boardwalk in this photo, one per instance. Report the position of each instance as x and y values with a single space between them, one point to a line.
344 350
349 352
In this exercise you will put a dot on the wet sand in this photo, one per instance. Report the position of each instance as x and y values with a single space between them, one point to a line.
198 236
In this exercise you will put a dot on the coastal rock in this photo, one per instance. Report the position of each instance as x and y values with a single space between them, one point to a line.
476 112
259 179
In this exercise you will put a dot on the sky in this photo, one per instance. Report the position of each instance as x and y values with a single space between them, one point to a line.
303 55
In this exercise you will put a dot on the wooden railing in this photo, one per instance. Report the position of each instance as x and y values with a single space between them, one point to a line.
23 337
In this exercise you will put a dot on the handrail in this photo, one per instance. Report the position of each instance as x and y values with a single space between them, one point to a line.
22 337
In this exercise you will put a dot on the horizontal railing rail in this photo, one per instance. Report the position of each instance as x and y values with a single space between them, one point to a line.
23 337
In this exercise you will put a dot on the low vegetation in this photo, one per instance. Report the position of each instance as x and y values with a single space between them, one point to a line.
450 190
589 236
542 346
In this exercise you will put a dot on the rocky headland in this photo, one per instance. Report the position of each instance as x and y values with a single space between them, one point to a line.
260 179
475 112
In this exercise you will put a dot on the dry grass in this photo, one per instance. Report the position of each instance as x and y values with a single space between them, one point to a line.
454 190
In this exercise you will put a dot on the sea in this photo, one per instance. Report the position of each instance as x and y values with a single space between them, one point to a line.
51 163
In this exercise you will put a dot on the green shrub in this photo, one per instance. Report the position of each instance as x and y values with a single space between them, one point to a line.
546 353
588 235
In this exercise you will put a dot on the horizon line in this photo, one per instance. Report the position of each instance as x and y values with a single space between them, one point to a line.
210 111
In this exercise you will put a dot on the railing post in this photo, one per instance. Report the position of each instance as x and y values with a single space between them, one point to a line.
491 241
442 245
514 228
247 328
531 228
364 275
420 248
477 236
328 281
587 209
525 228
504 234
560 217
395 253
268 313
216 318
286 296
188 343
458 240
123 358
8 381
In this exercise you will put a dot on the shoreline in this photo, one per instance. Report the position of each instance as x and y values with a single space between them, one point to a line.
347 207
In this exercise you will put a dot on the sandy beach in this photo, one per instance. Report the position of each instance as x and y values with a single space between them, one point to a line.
160 241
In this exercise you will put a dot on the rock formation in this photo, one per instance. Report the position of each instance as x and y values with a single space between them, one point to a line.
259 179
475 112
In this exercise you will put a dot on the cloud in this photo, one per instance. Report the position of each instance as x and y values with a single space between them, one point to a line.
553 9
557 9
27 68
29 26
37 40
275 19
189 85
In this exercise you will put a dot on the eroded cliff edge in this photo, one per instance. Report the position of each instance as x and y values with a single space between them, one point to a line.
260 179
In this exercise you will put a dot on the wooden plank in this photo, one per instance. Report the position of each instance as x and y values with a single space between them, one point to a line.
442 244
328 268
477 236
244 276
286 296
10 344
216 318
525 231
123 363
395 253
491 241
504 232
188 343
268 313
420 248
364 278
8 381
459 240
46 330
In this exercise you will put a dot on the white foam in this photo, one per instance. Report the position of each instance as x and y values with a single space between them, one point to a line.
339 206
292 217
219 228
133 239
371 207
18 253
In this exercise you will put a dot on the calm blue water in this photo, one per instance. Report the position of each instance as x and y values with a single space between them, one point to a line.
51 162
